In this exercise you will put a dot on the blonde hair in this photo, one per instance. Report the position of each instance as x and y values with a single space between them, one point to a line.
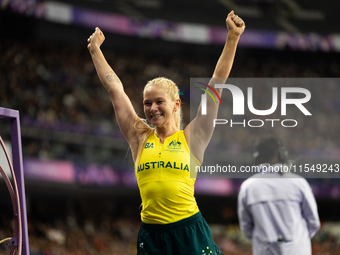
173 91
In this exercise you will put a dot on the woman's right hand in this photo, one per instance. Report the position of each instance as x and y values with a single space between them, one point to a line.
95 40
235 24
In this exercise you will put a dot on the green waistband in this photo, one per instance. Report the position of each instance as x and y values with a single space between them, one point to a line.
172 225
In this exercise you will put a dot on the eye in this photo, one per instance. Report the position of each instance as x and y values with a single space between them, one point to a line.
159 101
147 103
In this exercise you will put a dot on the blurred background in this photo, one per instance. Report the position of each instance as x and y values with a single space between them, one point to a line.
82 196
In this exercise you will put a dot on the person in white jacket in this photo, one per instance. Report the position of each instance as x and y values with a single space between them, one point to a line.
277 209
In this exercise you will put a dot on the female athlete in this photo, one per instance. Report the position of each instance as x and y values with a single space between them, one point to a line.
162 152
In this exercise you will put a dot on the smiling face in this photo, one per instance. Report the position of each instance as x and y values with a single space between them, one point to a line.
159 108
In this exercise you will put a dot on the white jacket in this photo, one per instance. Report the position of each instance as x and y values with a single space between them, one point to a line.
278 213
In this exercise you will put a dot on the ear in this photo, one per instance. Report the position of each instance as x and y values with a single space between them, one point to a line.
177 105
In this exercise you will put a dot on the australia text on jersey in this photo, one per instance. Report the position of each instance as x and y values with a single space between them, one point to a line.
163 164
173 146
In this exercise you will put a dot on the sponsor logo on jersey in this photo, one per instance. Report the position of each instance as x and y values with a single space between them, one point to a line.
175 145
148 145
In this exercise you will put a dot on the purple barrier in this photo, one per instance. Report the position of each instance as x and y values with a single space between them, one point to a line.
106 21
58 171
172 31
221 187
94 174
70 173
105 175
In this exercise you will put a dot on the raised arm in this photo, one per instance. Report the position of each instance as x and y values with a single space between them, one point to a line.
200 130
124 111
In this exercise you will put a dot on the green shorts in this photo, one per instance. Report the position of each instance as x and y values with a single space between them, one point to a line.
191 236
